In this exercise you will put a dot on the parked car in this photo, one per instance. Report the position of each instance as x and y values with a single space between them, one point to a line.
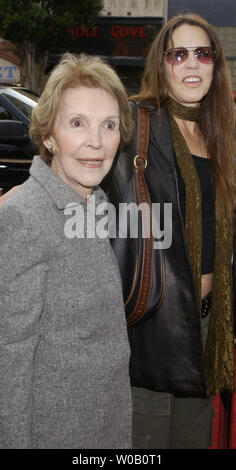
16 147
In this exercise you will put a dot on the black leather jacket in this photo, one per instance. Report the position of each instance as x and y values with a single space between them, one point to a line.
166 350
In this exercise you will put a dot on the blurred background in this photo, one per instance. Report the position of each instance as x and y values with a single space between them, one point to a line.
35 33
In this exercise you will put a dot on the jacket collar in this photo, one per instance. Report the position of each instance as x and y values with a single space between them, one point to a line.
58 190
161 128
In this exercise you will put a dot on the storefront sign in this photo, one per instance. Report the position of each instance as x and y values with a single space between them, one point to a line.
130 37
9 72
116 31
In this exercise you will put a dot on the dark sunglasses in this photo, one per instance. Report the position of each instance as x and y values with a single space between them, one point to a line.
178 55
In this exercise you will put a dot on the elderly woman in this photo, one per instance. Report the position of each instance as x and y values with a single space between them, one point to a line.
185 352
64 380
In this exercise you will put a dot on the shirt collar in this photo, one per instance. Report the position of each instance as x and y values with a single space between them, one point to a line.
60 192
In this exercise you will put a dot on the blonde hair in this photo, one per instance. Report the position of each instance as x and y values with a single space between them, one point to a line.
73 71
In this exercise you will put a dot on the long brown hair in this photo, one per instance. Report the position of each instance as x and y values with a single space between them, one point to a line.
218 113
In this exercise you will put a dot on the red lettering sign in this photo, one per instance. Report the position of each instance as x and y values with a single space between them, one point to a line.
133 30
87 33
125 31
70 31
142 32
96 32
80 32
116 31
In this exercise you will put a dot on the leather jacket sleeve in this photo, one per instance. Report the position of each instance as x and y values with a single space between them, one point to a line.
121 172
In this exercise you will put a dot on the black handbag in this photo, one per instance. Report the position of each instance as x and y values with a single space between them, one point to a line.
142 267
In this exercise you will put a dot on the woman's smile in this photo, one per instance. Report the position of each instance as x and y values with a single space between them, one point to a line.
90 163
192 81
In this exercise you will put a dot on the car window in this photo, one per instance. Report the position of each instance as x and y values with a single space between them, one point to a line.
21 101
4 114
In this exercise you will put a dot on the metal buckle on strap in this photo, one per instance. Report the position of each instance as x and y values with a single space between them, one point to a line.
143 162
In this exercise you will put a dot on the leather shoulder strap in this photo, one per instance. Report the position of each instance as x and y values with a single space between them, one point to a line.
143 137
143 196
143 131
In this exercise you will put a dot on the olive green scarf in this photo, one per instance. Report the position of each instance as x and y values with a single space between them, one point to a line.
219 353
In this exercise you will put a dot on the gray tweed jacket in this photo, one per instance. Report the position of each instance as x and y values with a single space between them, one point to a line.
64 352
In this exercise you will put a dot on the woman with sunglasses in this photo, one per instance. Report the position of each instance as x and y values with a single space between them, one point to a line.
183 354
